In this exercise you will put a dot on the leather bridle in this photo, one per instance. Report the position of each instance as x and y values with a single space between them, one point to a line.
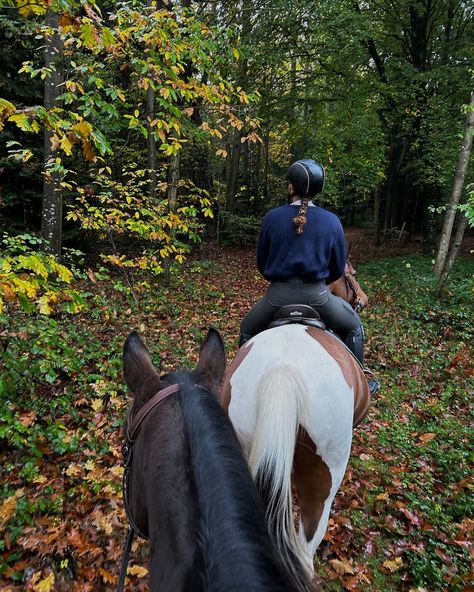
132 429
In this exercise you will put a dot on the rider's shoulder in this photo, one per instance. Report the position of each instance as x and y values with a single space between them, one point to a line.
277 212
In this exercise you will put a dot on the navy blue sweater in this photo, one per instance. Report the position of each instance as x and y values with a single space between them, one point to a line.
317 254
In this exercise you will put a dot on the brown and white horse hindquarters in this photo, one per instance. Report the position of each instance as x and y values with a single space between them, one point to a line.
294 393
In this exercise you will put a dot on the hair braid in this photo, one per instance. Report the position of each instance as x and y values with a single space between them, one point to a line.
300 219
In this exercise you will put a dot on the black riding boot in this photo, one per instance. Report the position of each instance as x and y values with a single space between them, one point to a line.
355 342
243 337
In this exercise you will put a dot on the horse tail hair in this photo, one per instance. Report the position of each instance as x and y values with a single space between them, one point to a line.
281 408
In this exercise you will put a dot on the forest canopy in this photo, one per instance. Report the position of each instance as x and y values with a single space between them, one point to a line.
132 130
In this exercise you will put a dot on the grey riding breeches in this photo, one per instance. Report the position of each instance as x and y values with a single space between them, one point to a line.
335 312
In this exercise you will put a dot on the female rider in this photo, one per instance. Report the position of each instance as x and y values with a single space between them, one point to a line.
301 249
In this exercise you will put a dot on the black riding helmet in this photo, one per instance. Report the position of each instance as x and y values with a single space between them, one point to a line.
307 177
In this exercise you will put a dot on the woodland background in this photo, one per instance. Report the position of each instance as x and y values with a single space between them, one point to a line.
140 145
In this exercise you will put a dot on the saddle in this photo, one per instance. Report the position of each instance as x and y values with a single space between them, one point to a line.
297 313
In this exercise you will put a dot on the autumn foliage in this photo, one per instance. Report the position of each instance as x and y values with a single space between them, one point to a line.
402 517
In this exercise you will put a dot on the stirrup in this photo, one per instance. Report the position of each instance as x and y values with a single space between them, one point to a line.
372 382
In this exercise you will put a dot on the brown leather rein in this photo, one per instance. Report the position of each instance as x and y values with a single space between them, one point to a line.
351 287
133 428
134 423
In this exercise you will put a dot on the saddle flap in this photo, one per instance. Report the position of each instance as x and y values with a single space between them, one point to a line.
297 313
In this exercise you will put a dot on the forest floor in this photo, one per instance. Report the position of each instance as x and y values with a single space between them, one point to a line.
403 517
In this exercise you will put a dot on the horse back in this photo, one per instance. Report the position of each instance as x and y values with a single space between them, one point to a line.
335 379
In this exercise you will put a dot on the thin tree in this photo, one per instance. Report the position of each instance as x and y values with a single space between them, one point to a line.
443 261
52 212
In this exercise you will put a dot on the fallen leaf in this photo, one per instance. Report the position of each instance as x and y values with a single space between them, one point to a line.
97 405
137 570
27 418
73 470
45 585
393 565
7 509
341 567
107 576
425 438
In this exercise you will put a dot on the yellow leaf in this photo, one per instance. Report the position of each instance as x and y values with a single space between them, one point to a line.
7 509
107 576
73 470
66 145
90 465
116 471
103 522
45 585
44 305
383 496
394 565
97 405
83 128
40 479
63 272
137 570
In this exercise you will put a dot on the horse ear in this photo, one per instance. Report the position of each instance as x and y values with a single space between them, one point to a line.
211 366
139 373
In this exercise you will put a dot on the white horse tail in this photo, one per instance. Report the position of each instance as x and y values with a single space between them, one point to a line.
281 407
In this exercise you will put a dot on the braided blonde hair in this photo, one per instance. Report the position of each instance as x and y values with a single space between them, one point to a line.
300 219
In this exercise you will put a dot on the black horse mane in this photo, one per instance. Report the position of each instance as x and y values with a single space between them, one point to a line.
236 544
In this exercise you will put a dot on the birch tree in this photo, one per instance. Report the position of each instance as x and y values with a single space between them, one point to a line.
52 212
446 255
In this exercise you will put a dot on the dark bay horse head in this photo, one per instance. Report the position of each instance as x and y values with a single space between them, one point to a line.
190 490
348 288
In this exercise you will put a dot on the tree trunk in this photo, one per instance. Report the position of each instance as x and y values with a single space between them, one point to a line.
52 211
151 143
377 217
173 180
453 251
458 184
150 116
150 140
233 160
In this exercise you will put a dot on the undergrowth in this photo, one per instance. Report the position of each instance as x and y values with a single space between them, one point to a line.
401 519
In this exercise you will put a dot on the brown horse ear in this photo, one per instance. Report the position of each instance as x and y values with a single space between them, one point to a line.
211 366
138 371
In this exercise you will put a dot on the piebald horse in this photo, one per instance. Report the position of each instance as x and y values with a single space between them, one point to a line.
294 393
188 487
